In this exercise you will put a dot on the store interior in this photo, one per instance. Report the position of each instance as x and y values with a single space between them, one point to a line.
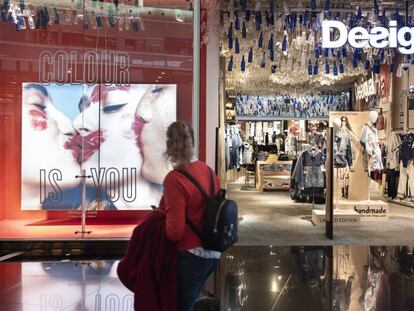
281 93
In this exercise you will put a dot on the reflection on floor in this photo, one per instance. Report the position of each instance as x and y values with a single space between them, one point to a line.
373 278
275 278
250 278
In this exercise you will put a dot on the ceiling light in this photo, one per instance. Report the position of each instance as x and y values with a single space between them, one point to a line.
157 81
163 73
159 77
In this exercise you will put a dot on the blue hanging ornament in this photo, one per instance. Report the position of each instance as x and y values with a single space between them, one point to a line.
310 68
376 8
248 15
237 22
230 32
367 65
383 19
270 44
263 61
392 67
327 5
327 70
335 69
243 64
267 19
359 14
273 68
260 40
382 55
316 68
376 68
284 43
237 46
344 52
244 31
272 54
250 58
230 65
258 17
326 52
341 66
230 43
317 54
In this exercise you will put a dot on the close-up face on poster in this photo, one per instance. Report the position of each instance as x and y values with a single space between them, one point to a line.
103 143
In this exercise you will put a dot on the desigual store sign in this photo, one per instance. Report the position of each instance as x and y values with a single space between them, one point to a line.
377 37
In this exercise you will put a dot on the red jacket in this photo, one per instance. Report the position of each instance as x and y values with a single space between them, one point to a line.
181 197
149 268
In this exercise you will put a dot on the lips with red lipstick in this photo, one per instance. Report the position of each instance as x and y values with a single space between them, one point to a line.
137 126
39 120
90 144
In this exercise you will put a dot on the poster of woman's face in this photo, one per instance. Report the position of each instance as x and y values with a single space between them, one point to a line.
111 137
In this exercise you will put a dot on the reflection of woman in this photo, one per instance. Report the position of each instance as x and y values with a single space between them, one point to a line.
44 133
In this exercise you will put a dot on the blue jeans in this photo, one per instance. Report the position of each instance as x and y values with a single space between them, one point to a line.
193 272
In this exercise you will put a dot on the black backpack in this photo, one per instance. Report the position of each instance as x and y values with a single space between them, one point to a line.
219 230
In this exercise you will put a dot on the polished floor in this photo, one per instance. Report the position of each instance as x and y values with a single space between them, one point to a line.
272 218
248 278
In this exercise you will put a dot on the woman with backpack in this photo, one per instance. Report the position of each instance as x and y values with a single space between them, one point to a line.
184 207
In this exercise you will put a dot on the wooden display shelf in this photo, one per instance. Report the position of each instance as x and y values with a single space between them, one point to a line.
260 173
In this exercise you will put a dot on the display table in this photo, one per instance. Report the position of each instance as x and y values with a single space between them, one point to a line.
340 217
271 160
373 210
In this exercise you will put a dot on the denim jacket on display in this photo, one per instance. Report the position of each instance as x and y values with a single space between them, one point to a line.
308 170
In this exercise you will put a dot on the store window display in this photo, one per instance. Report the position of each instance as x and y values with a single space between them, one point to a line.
371 145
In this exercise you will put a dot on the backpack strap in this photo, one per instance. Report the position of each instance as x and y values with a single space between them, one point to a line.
203 194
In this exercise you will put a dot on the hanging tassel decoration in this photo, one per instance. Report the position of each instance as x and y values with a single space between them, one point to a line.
359 14
313 5
250 57
243 64
244 31
326 52
237 22
344 52
376 8
284 44
237 46
273 68
248 15
270 44
316 68
367 65
260 43
327 5
341 66
376 68
335 69
244 6
263 61
327 70
310 67
230 65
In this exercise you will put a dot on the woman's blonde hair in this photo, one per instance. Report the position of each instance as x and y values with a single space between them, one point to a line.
180 143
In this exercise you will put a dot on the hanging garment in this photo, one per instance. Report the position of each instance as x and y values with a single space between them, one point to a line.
247 153
291 144
406 176
380 122
372 151
392 183
393 154
406 149
308 170
342 149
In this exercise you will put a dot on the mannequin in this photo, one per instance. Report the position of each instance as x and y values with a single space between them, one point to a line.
370 143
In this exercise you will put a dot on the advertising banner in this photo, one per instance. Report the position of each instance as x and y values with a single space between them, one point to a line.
112 138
